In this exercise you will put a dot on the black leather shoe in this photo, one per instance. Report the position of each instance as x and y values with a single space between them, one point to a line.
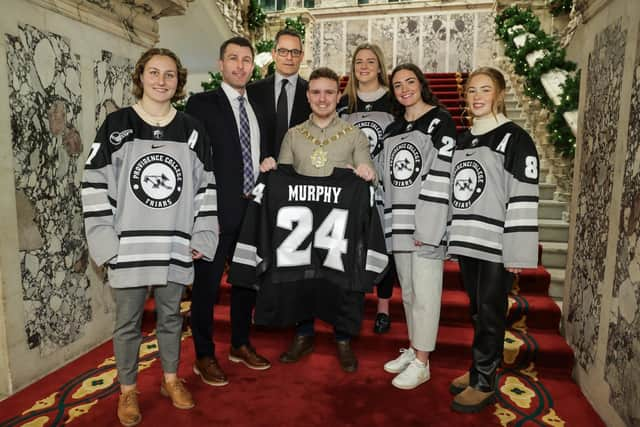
347 358
383 323
300 346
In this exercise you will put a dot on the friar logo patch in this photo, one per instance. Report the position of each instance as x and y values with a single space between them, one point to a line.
373 132
469 181
405 164
156 180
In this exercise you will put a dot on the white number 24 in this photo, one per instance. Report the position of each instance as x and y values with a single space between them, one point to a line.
329 235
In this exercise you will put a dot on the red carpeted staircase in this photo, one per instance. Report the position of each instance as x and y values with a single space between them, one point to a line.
535 384
447 87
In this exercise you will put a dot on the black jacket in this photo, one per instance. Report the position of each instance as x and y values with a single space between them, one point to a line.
262 94
214 111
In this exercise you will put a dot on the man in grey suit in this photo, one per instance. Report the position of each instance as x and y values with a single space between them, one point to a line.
281 97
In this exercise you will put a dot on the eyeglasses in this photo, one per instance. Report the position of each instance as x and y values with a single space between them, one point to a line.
284 52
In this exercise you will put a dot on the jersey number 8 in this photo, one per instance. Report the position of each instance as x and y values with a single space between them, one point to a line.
329 236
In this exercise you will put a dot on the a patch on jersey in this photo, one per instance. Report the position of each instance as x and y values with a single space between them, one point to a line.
469 181
116 138
374 133
156 180
405 164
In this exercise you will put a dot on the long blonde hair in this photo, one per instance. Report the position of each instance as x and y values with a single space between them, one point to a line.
351 90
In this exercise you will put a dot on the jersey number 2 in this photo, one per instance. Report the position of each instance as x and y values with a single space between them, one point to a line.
329 236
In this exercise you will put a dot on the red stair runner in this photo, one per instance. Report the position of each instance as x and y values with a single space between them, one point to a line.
535 383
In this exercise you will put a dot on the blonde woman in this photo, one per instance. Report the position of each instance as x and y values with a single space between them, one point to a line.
494 228
366 103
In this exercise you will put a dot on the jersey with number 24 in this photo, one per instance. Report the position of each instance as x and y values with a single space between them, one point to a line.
299 227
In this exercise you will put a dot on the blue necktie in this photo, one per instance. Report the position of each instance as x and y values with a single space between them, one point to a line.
245 148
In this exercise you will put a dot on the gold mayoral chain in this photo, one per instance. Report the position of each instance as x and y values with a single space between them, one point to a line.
319 154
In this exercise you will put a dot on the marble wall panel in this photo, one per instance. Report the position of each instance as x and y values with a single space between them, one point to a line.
434 43
408 39
437 42
461 29
622 363
112 76
485 34
45 98
382 34
604 77
357 33
316 46
333 45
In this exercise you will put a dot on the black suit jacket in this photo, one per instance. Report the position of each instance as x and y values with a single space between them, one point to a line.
214 111
262 94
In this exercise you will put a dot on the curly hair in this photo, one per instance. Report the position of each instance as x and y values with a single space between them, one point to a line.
138 89
427 96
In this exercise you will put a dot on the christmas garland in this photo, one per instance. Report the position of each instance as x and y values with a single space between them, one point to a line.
559 133
255 16
510 24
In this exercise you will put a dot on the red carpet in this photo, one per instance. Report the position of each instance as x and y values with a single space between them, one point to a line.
535 384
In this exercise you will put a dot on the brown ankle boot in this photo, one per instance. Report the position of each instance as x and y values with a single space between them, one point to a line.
128 409
177 392
458 384
471 400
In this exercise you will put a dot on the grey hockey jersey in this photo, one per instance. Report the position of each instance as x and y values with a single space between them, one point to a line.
149 198
494 204
372 118
417 163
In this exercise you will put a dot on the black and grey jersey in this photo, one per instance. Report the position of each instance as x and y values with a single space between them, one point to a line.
299 227
417 163
494 203
149 198
370 117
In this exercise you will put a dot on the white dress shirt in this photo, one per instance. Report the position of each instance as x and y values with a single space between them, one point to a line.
254 128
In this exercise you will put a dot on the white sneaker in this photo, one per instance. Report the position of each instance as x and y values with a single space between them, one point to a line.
401 362
415 374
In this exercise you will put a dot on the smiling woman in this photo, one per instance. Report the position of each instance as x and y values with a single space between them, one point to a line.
149 204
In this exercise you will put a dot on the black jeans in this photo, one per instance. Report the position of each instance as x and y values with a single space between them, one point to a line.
488 285
384 289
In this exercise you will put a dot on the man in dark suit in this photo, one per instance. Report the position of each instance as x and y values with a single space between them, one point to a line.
282 106
238 145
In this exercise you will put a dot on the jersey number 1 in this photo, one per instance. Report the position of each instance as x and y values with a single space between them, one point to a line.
329 236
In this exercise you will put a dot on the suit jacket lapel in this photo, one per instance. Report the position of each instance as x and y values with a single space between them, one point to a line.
270 96
228 116
299 103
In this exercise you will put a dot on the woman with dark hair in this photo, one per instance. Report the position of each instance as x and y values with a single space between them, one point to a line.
418 147
149 205
366 103
494 226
